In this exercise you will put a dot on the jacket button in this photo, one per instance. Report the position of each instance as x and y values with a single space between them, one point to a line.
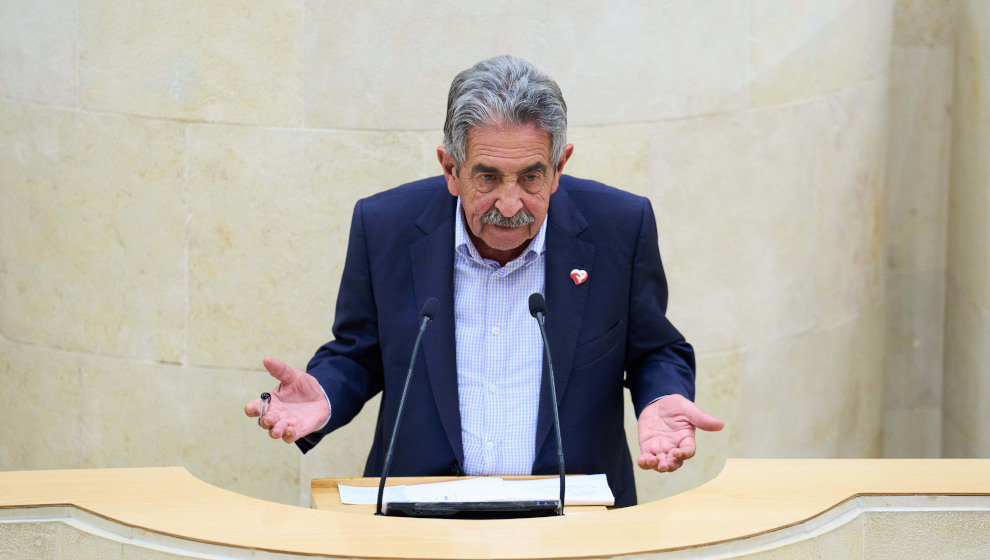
455 469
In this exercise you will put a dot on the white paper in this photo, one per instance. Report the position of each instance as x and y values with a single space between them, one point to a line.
580 490
483 489
369 494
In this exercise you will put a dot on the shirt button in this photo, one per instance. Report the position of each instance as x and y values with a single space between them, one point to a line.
494 330
489 445
493 388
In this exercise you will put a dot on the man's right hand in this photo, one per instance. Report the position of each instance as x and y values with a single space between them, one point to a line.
298 406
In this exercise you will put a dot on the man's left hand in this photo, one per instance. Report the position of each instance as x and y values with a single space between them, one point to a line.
666 432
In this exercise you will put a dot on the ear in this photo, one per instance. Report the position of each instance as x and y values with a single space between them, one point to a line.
449 170
568 150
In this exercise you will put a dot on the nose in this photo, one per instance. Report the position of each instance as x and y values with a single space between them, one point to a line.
509 202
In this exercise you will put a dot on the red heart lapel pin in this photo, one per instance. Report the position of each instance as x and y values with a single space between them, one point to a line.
579 276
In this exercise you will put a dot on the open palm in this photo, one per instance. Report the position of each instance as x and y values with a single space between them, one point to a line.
298 406
666 432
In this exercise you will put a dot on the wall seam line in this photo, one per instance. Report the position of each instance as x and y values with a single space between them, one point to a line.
413 130
187 233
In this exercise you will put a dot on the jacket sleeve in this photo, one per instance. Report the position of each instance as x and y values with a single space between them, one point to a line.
349 367
659 361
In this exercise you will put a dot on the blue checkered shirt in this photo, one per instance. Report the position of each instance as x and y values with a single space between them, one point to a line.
499 354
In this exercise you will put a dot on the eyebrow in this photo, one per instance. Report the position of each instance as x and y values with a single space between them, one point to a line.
482 168
535 167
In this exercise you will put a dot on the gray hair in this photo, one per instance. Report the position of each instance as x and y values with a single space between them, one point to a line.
504 90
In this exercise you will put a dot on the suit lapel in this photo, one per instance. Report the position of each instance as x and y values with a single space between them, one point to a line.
433 276
565 301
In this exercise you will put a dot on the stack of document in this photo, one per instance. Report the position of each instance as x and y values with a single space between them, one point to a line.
580 491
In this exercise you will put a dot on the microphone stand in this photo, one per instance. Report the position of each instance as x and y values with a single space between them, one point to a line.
470 510
537 307
425 317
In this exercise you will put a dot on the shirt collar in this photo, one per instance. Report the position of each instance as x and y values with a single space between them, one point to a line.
464 245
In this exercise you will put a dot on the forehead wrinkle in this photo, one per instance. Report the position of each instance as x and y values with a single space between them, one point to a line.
493 142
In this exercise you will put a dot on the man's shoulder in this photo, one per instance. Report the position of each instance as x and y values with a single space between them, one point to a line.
598 199
405 202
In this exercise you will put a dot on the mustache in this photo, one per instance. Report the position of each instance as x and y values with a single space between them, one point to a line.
519 219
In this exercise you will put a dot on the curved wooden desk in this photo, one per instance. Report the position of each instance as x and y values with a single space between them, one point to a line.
748 499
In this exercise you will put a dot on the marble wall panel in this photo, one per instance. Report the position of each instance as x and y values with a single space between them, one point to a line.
850 177
804 49
229 61
916 212
92 236
732 234
595 51
764 233
927 23
913 432
41 403
918 170
615 155
955 442
967 336
969 198
967 375
270 212
914 342
38 51
816 394
153 415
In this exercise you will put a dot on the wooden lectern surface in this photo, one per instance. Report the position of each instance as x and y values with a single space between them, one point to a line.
749 497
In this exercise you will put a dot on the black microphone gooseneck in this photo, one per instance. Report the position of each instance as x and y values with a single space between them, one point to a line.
425 316
538 309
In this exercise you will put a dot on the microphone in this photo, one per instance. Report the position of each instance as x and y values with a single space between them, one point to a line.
425 316
538 309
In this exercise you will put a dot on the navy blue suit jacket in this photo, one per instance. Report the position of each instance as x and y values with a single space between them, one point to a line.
608 332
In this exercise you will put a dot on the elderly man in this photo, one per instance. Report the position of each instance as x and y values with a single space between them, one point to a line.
501 223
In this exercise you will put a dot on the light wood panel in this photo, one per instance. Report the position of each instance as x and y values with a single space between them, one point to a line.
750 497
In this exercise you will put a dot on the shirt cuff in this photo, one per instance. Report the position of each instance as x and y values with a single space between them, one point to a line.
647 404
324 425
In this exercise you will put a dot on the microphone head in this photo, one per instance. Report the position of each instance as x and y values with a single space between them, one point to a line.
429 308
537 304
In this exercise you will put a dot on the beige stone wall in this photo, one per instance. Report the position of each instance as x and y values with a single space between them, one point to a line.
915 233
176 181
966 427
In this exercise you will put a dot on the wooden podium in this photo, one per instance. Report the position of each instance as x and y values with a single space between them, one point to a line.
755 509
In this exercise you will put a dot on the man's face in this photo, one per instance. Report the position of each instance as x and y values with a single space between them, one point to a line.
506 177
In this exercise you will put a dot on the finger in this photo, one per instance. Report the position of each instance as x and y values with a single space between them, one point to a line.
253 408
290 434
703 420
269 420
674 465
278 430
686 450
658 446
647 461
279 370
